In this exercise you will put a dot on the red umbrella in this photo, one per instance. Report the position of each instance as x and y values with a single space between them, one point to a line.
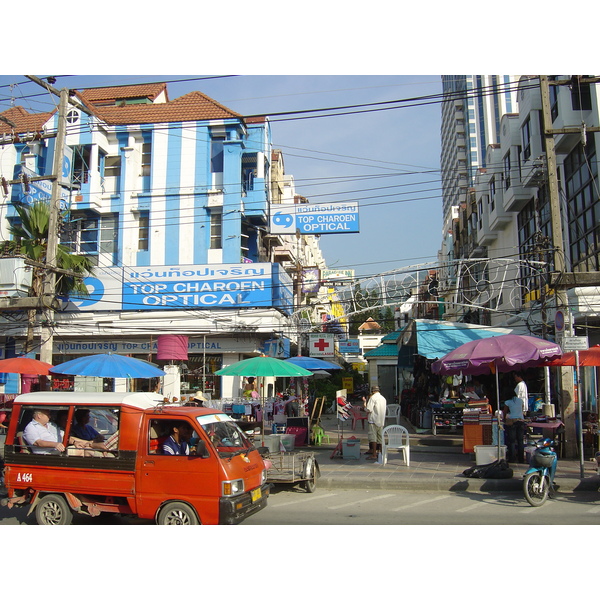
24 366
587 358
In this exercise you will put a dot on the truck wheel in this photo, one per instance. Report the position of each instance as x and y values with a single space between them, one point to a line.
53 510
177 513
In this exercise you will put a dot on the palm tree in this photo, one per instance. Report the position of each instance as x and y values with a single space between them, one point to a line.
30 238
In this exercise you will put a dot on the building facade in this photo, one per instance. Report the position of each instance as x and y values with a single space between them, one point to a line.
171 200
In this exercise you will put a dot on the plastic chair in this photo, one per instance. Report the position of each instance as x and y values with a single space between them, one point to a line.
396 437
357 416
392 411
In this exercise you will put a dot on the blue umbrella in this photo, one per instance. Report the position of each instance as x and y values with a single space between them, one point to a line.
312 364
108 365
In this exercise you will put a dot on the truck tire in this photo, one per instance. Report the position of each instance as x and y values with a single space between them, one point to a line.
53 509
177 513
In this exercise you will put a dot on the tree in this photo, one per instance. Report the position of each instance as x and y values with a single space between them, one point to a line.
30 239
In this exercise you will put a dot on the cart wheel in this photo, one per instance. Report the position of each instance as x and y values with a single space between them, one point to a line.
177 513
53 509
310 484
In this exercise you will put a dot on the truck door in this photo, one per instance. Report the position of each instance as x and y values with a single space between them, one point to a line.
162 477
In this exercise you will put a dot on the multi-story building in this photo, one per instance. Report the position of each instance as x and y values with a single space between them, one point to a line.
171 201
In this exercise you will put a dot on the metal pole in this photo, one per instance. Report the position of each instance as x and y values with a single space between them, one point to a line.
579 417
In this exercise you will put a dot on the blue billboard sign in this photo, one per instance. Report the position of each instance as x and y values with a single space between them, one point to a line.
186 287
315 219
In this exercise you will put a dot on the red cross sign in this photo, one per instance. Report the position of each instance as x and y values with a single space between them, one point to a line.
321 345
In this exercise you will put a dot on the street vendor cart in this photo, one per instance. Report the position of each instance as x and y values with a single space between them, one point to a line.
294 467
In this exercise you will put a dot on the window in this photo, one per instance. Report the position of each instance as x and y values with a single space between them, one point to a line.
143 230
216 154
492 198
112 166
91 235
507 170
526 138
581 98
146 159
216 230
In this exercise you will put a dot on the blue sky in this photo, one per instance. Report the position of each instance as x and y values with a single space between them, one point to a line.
386 160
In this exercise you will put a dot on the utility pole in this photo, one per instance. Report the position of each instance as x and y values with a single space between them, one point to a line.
49 285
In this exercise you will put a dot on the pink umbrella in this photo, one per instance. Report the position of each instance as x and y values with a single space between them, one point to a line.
502 353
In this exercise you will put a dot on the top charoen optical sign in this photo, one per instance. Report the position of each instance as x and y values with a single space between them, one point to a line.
315 219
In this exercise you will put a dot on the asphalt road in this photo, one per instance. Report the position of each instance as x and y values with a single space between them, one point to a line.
383 507
291 506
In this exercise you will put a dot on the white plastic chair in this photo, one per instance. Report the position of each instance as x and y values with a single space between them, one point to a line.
392 411
395 437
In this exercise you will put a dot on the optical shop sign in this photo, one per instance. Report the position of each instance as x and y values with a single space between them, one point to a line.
315 219
160 288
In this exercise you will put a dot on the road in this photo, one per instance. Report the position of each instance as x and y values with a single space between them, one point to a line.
381 507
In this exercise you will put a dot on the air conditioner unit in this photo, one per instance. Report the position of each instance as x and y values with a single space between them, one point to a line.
15 277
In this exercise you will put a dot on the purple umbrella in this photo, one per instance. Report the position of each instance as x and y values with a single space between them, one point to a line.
501 353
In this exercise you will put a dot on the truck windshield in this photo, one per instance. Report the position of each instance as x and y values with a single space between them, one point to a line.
224 433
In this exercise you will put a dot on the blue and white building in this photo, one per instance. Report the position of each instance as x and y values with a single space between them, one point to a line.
171 199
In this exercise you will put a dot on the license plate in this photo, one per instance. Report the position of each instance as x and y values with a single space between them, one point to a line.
255 494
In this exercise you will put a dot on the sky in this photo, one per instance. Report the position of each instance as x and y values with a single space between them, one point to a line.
384 157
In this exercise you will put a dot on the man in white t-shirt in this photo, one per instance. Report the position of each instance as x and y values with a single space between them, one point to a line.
376 407
521 391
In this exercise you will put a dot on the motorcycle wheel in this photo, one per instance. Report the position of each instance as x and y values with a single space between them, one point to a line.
536 487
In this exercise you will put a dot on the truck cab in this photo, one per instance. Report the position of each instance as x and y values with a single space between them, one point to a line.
128 467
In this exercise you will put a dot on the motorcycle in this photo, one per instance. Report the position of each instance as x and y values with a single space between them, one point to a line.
538 481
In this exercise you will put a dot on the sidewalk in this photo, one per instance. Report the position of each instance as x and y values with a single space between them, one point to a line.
436 464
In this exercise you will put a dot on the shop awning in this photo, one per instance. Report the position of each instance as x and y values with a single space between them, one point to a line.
436 338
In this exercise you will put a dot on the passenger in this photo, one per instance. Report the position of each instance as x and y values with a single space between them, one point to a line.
84 431
177 443
45 437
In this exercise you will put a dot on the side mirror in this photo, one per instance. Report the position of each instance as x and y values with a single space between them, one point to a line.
201 449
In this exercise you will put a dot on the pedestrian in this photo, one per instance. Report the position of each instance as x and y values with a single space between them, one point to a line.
521 391
375 407
514 428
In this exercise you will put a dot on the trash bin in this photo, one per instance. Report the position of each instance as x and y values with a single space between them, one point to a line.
351 448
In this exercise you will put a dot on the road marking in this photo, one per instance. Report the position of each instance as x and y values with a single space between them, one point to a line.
594 510
419 503
304 499
531 509
361 501
470 507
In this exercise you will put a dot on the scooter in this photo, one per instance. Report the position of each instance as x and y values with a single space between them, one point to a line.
538 481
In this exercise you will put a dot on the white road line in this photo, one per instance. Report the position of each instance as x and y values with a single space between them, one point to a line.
365 500
594 510
405 506
303 499
531 509
470 507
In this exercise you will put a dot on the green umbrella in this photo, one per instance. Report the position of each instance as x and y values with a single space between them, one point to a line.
264 366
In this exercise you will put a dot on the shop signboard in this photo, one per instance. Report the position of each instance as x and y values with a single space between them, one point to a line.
321 345
349 346
315 219
41 191
186 287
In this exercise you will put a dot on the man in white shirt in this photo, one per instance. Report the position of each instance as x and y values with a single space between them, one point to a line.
521 391
42 436
376 408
